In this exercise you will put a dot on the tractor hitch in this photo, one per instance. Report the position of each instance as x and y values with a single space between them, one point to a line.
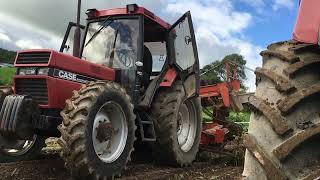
17 115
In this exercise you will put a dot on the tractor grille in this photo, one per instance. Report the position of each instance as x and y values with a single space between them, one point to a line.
33 58
36 88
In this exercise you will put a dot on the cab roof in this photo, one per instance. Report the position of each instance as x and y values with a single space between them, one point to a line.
131 9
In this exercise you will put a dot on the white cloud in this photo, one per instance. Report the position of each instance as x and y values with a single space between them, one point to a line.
28 44
283 4
4 37
24 35
219 29
219 26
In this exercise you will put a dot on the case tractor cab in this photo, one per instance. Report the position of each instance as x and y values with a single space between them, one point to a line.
134 76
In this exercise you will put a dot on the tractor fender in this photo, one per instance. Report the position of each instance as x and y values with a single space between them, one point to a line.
165 79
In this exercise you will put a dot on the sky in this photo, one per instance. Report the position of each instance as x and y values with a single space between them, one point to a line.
222 27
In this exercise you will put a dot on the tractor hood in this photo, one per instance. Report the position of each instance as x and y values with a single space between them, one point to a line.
63 62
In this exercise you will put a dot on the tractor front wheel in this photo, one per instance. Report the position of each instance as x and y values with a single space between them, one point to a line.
19 150
98 131
178 125
22 150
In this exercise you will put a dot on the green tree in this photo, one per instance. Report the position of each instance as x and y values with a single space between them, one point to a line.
216 72
7 56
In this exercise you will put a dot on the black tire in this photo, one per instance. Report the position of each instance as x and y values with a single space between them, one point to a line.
283 136
165 112
76 130
31 153
4 91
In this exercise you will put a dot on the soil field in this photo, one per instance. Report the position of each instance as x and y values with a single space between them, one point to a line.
51 167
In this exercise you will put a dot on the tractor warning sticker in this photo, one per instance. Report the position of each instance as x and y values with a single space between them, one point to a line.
61 74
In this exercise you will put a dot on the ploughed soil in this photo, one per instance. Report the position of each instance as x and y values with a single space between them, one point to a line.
49 166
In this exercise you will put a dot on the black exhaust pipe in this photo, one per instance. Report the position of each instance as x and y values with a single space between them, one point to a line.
77 33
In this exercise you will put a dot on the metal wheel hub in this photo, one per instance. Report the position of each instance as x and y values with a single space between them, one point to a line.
21 147
186 125
110 132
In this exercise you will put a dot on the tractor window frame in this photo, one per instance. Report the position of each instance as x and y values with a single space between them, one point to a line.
140 38
67 34
132 86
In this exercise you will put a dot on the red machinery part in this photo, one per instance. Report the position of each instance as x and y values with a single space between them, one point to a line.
169 78
308 22
70 63
212 133
221 89
56 95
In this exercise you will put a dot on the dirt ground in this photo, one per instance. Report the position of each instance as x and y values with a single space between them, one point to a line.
209 166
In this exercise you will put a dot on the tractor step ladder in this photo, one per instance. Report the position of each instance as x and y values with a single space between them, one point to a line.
147 131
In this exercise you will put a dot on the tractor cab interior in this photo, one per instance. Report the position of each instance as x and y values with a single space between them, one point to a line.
155 52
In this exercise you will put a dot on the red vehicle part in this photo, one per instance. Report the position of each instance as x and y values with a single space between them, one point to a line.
69 63
56 94
212 133
308 22
169 78
134 11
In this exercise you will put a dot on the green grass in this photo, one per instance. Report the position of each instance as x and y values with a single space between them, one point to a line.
241 118
6 75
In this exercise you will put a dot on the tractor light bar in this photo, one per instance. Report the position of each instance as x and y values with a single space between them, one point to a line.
43 71
132 8
33 71
27 71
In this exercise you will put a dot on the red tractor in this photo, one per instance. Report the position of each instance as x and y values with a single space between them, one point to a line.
283 138
134 76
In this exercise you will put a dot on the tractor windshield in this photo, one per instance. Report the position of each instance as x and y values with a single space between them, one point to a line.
112 42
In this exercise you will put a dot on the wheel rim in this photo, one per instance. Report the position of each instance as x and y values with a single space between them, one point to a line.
186 130
110 132
23 146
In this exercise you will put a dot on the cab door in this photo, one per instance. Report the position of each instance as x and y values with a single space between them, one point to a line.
183 54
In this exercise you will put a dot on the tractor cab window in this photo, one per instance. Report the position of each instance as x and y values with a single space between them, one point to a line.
112 43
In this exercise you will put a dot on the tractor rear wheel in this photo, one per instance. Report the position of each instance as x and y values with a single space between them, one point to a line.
20 150
178 123
283 136
98 131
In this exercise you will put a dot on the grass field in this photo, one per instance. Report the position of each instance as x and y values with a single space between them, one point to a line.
6 75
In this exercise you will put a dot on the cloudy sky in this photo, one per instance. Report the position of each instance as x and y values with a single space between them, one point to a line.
221 26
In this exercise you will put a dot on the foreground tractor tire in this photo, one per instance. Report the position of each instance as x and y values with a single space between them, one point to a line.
21 150
283 136
98 131
178 124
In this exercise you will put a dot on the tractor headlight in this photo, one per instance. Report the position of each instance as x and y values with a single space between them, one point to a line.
27 71
43 71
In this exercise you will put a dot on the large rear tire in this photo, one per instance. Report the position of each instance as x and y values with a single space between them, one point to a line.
283 136
178 123
98 131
